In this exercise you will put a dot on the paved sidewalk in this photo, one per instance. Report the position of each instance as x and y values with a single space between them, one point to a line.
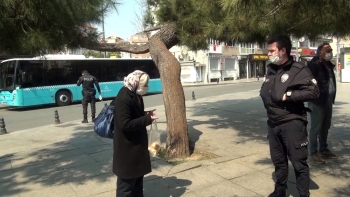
70 160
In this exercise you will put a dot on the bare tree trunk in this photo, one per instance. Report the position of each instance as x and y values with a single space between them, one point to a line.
177 143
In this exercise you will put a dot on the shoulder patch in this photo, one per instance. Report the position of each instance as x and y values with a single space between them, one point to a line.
284 78
314 81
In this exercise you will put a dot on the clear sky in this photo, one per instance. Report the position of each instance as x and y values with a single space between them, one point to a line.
121 23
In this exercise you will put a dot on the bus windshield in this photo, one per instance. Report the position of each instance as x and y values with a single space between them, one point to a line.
7 75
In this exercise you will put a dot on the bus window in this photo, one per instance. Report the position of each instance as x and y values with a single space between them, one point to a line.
30 74
7 71
60 72
110 71
93 67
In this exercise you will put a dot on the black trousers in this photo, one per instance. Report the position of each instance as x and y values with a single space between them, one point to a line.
88 98
130 187
289 140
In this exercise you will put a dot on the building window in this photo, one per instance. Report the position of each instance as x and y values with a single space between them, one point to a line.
315 44
295 44
214 64
247 48
263 45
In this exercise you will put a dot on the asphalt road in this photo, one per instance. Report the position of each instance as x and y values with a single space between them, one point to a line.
20 119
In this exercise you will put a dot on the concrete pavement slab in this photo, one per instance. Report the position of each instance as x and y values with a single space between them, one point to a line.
227 188
85 171
96 149
6 175
258 182
104 155
94 185
65 154
231 169
6 165
162 166
74 161
258 161
184 166
106 194
202 176
36 169
52 191
165 186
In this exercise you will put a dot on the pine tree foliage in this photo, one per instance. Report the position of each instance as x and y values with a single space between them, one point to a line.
30 26
252 20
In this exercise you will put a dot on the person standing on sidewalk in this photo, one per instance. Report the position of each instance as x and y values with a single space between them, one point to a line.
287 85
88 93
321 109
131 158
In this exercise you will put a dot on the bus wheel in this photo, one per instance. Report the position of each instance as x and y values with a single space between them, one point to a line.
63 98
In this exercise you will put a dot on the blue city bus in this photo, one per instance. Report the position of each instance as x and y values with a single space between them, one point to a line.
52 79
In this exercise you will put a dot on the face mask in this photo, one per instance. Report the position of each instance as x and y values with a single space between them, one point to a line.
142 91
328 56
275 59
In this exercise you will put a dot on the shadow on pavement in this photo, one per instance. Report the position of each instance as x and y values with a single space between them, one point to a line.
240 122
165 186
79 164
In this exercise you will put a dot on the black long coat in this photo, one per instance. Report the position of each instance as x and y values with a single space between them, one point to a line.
131 157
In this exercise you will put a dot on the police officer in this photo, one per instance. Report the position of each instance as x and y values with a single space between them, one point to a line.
89 93
287 85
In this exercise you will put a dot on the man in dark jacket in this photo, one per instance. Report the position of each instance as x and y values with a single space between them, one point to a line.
287 85
88 93
321 109
131 158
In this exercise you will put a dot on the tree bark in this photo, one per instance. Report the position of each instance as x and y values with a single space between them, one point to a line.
177 143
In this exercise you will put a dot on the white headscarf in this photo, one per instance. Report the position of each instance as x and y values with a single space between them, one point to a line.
135 78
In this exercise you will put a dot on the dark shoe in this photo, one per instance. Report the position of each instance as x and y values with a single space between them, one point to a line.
279 192
85 121
304 195
317 158
328 154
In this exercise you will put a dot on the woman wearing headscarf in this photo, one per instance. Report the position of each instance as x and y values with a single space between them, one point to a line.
131 159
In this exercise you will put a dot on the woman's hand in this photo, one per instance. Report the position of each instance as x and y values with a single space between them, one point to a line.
151 112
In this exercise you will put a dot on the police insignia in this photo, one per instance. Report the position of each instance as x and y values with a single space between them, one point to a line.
284 78
314 81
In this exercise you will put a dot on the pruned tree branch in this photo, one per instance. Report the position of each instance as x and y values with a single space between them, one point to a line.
167 34
122 46
152 29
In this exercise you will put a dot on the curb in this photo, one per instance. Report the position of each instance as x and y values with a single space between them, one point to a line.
216 84
3 107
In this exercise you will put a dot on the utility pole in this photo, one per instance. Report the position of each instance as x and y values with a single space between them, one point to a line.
338 55
103 26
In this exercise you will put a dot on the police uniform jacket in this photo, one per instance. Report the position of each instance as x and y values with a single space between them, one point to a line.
88 81
131 157
297 82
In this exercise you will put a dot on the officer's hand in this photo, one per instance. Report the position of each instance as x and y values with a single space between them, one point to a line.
284 97
100 97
